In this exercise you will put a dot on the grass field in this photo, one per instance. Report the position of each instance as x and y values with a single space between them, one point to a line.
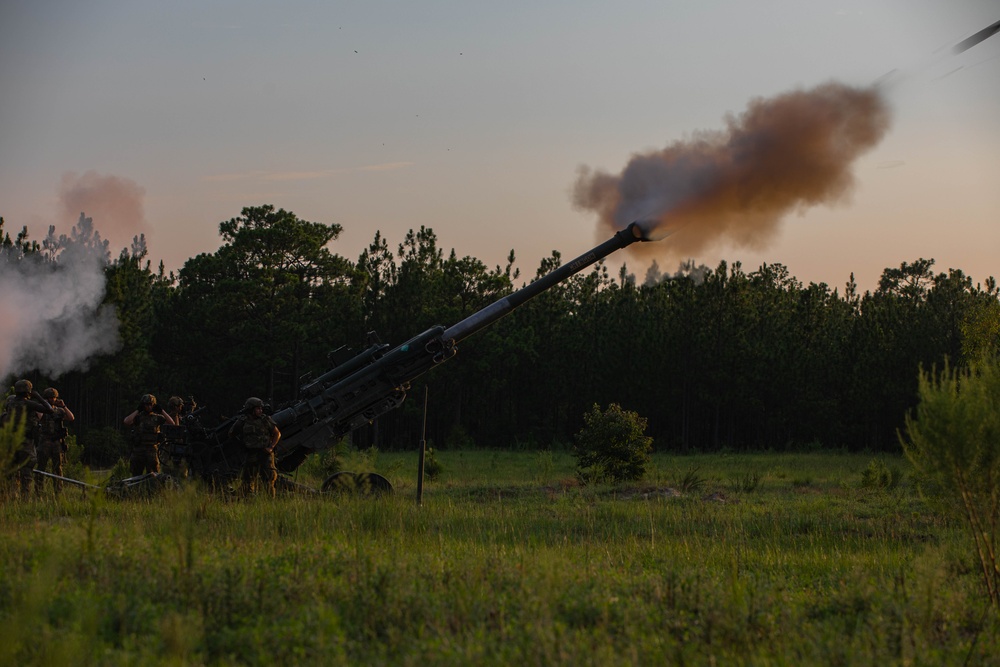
767 559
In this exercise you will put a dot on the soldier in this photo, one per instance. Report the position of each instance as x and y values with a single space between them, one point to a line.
174 441
25 405
146 420
259 434
52 440
175 404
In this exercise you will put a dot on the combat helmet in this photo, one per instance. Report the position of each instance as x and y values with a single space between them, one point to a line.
175 403
23 387
148 399
51 393
252 402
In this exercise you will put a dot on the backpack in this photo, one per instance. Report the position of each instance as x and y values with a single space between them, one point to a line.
15 410
51 428
146 430
256 433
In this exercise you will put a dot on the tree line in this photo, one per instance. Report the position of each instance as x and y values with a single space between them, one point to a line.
713 358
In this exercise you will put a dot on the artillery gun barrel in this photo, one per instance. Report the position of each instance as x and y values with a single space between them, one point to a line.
490 314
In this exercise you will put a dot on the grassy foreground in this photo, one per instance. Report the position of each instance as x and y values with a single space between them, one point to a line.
771 559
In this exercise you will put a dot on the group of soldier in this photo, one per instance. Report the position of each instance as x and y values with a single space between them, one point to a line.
44 440
43 443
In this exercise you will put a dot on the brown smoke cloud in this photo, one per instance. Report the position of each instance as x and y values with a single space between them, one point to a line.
782 154
114 203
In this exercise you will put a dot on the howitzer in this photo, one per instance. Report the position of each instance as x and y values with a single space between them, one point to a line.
354 393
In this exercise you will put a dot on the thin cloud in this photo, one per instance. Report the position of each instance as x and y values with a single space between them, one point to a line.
388 166
285 176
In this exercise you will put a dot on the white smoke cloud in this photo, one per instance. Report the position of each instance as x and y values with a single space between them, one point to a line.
51 316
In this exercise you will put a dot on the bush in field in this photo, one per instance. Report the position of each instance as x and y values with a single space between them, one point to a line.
11 433
432 466
612 446
879 476
691 481
73 466
748 482
953 440
328 461
119 471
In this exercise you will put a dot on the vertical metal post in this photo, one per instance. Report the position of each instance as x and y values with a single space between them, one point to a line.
423 450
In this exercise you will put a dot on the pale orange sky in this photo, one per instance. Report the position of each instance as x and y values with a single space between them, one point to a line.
473 119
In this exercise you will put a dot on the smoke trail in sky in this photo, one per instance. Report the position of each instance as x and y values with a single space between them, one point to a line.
51 316
782 154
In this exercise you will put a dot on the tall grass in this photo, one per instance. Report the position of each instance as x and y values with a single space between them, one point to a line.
506 561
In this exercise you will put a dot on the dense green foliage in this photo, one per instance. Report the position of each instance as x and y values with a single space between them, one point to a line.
11 434
612 446
507 561
714 359
953 441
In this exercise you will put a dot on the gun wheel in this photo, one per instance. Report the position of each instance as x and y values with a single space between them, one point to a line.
372 484
339 482
362 483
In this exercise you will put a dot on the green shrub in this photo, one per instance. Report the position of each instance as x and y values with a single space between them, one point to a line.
329 461
748 482
432 466
73 467
691 482
11 434
880 476
119 471
369 459
953 440
612 446
544 465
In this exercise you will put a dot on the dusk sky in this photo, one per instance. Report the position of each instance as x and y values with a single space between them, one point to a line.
475 119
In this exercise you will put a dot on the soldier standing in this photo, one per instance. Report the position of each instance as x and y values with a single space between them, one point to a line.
25 405
259 434
175 408
145 421
174 444
52 439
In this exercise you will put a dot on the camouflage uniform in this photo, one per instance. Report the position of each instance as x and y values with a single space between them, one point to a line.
146 440
256 432
51 447
174 445
25 405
